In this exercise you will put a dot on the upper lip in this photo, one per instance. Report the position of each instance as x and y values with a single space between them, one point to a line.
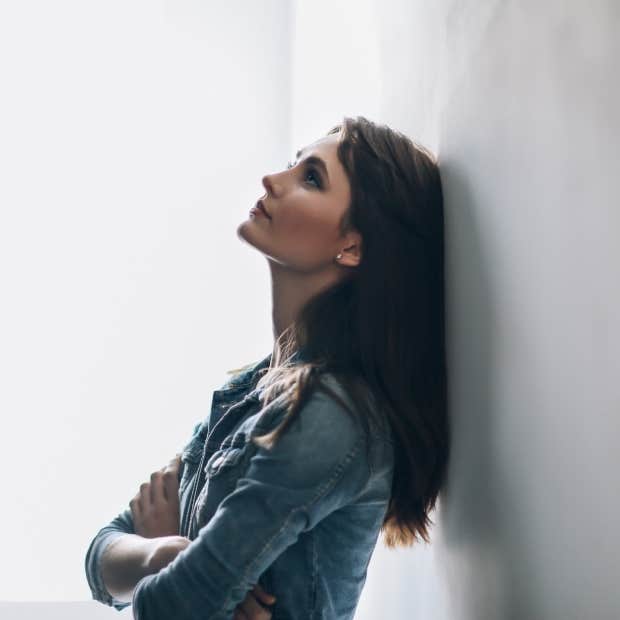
261 205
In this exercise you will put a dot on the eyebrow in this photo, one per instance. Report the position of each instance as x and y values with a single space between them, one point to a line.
317 161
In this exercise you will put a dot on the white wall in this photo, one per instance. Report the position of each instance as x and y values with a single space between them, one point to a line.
134 136
335 66
520 101
529 145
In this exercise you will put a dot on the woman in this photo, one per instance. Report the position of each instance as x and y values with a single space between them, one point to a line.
276 503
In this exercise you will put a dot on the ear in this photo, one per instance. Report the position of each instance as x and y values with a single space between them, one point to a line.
352 251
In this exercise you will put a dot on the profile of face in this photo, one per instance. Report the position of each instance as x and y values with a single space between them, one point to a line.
305 203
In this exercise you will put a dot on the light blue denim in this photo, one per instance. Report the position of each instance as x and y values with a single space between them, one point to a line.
301 519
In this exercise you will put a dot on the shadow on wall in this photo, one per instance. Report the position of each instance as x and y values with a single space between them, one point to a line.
479 502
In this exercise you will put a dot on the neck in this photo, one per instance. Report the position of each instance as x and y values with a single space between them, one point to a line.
290 290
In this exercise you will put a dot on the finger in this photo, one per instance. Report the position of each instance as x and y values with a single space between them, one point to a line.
170 478
171 485
254 609
145 496
173 466
264 597
157 488
134 505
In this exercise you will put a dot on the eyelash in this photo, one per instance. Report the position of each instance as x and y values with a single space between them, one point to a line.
310 169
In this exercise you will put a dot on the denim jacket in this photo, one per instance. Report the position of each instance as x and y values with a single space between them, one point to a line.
301 519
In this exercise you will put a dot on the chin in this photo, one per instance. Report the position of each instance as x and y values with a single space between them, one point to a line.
241 231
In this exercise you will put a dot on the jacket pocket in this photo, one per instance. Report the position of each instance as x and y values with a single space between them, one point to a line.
229 454
222 471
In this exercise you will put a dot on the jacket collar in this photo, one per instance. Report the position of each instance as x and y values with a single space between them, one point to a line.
247 374
247 377
241 387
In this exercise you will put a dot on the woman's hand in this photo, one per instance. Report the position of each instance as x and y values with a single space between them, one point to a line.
163 550
250 609
155 508
155 513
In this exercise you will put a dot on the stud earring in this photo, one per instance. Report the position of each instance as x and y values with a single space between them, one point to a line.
339 257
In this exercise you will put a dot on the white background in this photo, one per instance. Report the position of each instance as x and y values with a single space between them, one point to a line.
134 136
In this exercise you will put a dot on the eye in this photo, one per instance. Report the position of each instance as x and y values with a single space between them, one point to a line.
310 171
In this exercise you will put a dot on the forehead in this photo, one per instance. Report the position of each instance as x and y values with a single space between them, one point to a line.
326 147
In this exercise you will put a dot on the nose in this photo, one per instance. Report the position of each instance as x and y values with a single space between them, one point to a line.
273 188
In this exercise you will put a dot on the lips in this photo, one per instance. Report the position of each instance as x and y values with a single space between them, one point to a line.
261 206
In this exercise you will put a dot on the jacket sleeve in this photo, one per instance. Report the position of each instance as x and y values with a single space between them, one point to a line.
316 467
119 526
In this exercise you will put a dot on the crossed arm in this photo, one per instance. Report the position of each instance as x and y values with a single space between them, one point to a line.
156 543
315 468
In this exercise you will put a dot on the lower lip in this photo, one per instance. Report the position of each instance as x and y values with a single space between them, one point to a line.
256 211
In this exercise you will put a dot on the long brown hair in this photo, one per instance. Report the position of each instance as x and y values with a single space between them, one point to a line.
381 329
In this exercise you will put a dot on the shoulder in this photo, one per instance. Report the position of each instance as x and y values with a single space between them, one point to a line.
323 445
245 375
325 422
377 424
329 404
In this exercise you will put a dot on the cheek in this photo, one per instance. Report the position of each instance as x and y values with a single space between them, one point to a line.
307 235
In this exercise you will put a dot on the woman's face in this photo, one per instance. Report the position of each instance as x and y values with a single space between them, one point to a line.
305 203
